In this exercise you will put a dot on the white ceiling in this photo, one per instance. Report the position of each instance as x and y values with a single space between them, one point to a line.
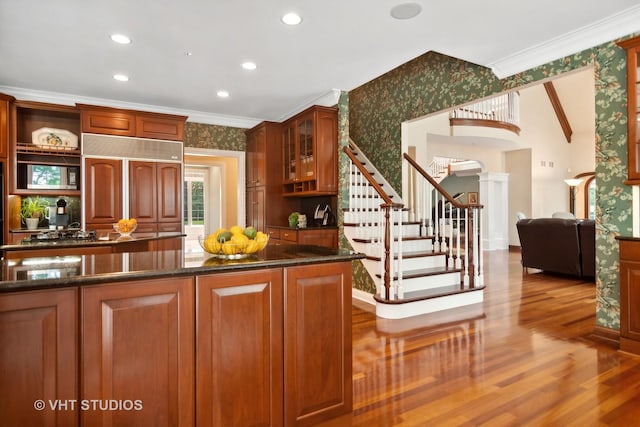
60 51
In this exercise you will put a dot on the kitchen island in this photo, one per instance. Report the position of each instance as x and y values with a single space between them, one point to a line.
168 338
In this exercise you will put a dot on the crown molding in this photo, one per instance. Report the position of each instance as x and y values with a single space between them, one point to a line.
67 99
608 29
328 99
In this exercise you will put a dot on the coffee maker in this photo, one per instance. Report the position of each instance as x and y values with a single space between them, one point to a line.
58 216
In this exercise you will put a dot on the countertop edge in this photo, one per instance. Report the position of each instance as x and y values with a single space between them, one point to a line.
88 243
123 276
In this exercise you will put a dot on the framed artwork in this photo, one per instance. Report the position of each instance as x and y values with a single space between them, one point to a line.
472 198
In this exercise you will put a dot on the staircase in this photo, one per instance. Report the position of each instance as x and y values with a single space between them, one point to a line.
420 255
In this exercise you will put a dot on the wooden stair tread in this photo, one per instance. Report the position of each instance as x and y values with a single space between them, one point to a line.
404 239
412 254
425 294
355 224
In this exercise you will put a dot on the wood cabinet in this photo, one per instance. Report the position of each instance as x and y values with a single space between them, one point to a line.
310 153
138 345
317 354
239 359
327 237
6 102
630 296
270 346
155 195
39 357
256 208
633 90
264 202
31 116
103 192
114 121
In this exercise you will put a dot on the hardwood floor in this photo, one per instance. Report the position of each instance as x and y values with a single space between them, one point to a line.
525 358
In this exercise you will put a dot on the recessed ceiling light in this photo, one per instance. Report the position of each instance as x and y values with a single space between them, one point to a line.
406 10
249 65
121 77
223 94
188 53
291 18
120 38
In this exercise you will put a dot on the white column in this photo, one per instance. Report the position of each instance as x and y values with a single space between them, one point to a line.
494 196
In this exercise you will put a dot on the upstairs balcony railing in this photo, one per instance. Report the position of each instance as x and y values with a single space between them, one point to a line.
502 112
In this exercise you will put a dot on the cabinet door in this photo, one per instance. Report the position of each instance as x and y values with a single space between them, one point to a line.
108 121
169 177
256 208
317 355
290 153
326 151
103 190
629 296
143 191
239 359
256 157
5 111
138 346
160 126
633 126
38 357
305 147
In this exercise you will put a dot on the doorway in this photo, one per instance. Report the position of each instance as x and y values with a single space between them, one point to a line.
214 192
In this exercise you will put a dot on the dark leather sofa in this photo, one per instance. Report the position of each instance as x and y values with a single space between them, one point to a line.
557 245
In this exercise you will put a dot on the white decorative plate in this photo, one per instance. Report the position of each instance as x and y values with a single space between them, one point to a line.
54 138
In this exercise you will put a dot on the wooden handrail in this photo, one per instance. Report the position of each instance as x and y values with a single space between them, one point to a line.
437 186
383 194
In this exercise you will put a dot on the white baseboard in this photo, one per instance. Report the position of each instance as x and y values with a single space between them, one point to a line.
363 296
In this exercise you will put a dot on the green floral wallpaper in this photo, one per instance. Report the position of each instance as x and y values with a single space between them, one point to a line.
433 82
200 135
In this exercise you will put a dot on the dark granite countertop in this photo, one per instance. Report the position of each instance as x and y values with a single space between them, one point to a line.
80 270
630 238
112 239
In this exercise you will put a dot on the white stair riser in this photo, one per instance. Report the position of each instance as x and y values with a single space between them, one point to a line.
365 231
377 249
424 262
402 311
369 214
430 282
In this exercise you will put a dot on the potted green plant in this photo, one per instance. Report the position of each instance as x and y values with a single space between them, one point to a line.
293 219
32 211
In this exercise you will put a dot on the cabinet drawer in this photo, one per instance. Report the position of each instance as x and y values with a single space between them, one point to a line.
289 235
109 122
629 250
147 227
158 127
169 226
274 233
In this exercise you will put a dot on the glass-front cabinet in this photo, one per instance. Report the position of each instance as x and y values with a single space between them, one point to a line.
310 153
290 157
633 89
